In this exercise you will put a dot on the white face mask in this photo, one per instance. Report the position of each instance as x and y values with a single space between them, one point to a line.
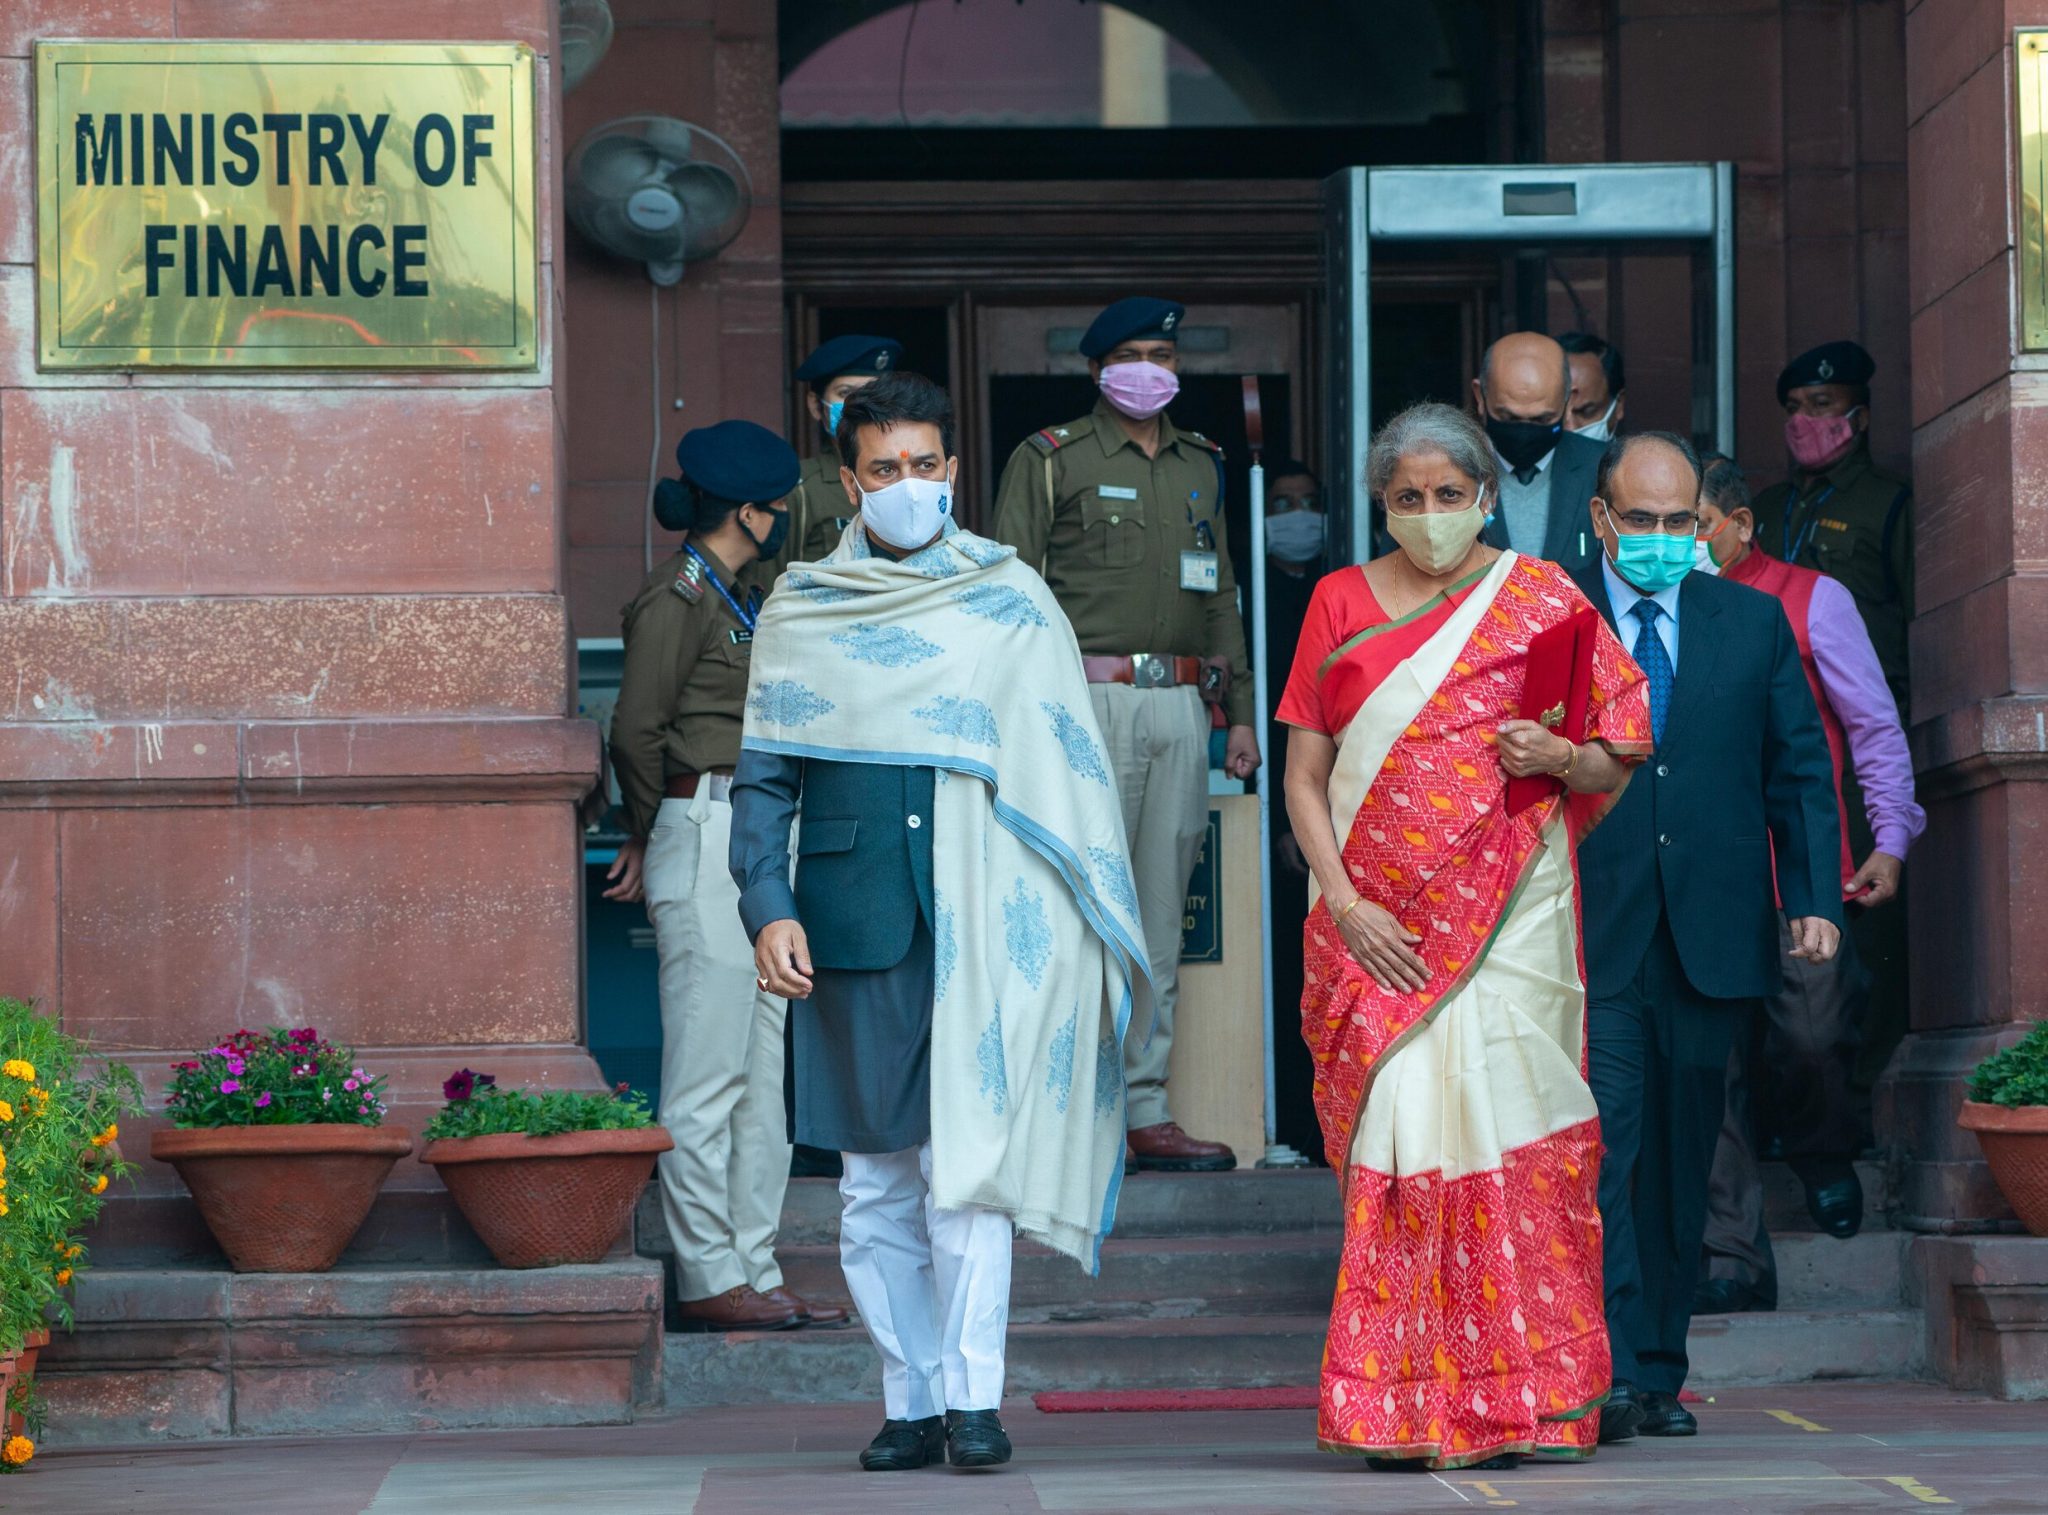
1703 559
910 512
1603 429
1295 536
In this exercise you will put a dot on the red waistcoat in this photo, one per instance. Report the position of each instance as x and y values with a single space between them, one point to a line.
1792 586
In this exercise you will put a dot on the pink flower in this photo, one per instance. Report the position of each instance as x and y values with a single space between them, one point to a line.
263 1099
349 1084
229 1085
326 1095
236 1065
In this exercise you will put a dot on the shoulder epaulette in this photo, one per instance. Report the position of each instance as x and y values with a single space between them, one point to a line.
1053 438
1201 441
690 581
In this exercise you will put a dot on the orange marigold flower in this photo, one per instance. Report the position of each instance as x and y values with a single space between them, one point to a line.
107 1135
63 1277
14 1067
19 1449
99 1184
6 1111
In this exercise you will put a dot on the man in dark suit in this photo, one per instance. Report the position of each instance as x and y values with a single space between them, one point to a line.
1546 472
1681 921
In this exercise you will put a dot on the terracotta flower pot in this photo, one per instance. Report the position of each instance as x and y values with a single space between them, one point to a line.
283 1199
24 1369
539 1201
2015 1143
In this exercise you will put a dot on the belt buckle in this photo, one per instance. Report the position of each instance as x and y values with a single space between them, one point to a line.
1150 671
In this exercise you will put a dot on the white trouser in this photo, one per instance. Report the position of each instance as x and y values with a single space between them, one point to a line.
721 1061
932 1286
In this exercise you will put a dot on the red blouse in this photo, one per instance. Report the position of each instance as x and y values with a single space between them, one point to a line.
1349 645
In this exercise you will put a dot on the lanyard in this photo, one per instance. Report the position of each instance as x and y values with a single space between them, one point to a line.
746 616
1796 542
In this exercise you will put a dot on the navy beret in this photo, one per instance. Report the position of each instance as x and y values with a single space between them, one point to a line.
1829 363
737 460
1138 316
850 354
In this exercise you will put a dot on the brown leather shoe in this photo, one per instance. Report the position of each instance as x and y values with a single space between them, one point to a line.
808 1311
741 1309
1165 1148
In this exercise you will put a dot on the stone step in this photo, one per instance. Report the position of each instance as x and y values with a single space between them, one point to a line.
1250 1202
1172 1278
1246 1351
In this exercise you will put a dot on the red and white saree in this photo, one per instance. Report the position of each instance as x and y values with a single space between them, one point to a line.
1467 1321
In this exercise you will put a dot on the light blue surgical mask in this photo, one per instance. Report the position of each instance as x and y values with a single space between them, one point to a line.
833 410
1653 561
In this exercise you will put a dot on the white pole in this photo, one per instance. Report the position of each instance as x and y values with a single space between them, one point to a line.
1263 782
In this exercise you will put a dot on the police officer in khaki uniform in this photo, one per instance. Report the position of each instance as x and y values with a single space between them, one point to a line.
1123 513
674 740
818 509
1840 512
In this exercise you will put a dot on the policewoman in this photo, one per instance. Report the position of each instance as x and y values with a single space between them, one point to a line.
674 740
818 508
1122 512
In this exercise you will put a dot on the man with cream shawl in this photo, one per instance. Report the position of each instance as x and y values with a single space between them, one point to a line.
960 942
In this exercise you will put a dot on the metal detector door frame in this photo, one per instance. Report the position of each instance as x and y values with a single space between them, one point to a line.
1588 204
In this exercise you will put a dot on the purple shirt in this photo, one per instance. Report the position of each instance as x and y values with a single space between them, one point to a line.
1855 686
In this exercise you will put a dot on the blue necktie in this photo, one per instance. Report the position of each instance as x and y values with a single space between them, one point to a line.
1655 663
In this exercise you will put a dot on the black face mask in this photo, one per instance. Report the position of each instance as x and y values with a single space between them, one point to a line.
777 534
1522 444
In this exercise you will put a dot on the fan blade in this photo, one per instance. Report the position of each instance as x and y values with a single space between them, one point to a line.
615 166
673 139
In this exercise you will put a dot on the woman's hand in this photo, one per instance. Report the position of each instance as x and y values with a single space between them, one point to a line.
1527 750
1383 947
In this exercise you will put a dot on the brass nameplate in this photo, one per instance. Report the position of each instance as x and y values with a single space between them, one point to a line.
2030 46
281 205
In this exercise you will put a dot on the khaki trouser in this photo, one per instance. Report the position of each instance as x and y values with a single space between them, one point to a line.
1159 750
721 1061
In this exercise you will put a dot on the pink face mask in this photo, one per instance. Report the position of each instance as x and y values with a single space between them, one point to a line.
1818 442
1139 390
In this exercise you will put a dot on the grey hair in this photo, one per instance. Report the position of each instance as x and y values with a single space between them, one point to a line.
1437 428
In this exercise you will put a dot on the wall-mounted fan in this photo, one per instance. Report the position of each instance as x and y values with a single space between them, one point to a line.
586 33
657 190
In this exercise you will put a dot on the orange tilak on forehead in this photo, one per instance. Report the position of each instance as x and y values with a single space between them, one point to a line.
904 455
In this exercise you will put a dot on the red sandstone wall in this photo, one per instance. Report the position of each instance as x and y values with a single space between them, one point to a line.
711 62
1807 98
283 658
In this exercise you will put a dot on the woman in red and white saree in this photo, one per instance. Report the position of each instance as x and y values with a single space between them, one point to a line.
1445 1001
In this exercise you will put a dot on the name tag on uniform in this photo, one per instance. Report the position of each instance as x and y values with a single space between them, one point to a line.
740 638
1115 492
1198 571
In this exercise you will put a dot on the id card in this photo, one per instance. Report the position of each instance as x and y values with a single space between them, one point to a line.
1198 571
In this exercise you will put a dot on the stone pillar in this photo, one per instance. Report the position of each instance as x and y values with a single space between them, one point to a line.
1980 679
284 669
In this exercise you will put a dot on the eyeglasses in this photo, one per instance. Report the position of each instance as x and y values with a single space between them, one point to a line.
1641 522
1281 502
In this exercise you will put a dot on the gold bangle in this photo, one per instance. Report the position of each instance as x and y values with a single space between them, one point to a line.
1570 762
1356 901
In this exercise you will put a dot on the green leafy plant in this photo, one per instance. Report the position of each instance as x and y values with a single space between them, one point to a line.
274 1078
478 1107
2016 1076
59 1154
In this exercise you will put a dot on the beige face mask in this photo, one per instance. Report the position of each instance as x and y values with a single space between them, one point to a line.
1437 540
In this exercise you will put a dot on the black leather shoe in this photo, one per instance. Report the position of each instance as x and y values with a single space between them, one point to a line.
1663 1415
1507 1462
1728 1296
976 1439
905 1444
1834 1197
1622 1416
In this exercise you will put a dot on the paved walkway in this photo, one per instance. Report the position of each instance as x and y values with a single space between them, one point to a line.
1898 1448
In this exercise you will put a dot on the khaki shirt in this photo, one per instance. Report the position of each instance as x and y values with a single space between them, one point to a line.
1107 525
683 693
1855 524
818 514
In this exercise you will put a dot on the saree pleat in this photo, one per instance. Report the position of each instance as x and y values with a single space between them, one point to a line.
1467 1320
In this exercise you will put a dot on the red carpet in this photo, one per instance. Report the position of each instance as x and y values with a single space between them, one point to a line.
1130 1401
